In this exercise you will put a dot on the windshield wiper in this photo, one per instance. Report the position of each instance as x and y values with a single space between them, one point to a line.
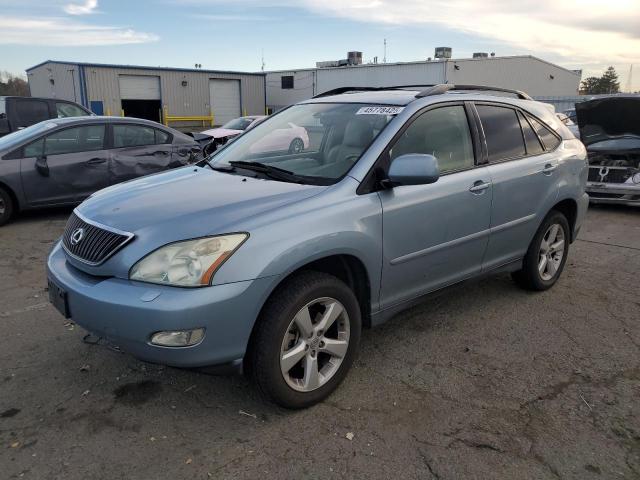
276 173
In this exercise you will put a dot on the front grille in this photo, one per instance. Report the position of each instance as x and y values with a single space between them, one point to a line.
610 174
90 242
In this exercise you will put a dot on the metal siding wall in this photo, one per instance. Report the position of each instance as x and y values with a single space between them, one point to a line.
310 82
303 88
64 79
528 74
102 84
424 73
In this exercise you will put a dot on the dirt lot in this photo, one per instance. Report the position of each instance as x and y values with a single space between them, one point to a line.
485 381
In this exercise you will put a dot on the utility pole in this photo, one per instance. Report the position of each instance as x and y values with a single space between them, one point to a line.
630 80
262 60
384 59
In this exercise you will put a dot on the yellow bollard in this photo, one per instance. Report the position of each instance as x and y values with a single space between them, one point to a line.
122 112
108 112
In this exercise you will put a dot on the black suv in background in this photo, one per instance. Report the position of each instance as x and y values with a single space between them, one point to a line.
21 112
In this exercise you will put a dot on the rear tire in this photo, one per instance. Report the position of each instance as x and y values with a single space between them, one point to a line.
6 206
547 254
282 354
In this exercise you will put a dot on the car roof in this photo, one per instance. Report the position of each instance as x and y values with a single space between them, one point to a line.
104 119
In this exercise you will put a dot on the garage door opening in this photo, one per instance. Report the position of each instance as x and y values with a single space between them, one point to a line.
140 96
148 109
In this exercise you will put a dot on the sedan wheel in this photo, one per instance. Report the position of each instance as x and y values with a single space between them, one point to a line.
296 146
315 344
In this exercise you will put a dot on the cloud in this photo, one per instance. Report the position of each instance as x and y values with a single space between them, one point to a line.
86 8
580 31
55 32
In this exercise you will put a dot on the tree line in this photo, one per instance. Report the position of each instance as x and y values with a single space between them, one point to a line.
606 84
13 85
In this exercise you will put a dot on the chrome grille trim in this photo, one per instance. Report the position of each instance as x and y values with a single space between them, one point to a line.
101 242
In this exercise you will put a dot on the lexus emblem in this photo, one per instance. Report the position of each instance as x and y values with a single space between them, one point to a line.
77 236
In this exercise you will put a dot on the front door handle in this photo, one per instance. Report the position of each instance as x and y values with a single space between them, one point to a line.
161 152
479 186
96 161
548 168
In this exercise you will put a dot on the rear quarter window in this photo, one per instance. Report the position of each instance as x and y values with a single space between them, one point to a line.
3 108
549 139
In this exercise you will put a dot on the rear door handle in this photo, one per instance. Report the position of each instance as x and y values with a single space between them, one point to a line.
548 168
96 161
479 186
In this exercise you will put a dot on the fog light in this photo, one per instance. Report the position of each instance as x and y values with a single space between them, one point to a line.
178 338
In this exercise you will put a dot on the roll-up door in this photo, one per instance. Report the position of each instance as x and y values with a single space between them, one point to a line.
225 99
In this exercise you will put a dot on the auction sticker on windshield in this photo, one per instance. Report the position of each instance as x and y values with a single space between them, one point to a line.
379 110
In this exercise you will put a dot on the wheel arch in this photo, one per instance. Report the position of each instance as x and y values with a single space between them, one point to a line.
16 203
569 208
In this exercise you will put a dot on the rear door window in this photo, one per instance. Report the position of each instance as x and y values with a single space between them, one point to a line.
133 136
30 111
531 140
502 132
66 109
549 139
74 140
162 137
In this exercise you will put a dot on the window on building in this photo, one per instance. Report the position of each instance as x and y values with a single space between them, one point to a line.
287 82
502 132
443 133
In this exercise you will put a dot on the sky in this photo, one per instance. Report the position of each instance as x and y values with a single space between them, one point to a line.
234 35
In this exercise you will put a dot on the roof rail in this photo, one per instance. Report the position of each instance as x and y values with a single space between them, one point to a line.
446 87
339 90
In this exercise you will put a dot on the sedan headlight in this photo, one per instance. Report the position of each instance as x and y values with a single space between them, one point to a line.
191 263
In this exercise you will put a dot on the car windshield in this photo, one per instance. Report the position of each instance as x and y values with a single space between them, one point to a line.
25 134
319 142
238 124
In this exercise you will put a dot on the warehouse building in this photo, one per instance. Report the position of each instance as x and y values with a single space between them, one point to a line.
179 96
530 74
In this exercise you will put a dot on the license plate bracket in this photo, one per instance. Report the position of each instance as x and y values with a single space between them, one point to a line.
58 297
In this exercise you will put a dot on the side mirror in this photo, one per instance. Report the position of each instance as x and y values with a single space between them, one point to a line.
41 166
413 169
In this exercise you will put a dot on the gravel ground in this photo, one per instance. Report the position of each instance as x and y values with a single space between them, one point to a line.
483 381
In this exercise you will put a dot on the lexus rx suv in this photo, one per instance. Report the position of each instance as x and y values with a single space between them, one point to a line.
273 260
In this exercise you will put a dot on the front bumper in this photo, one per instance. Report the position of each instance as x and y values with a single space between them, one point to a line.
127 313
618 193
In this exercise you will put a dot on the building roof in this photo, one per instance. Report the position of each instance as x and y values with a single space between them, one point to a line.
143 67
421 62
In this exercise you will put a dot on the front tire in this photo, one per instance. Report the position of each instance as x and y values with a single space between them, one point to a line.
296 145
547 254
6 206
305 340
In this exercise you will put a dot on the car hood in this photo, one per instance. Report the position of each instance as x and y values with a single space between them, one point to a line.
221 132
608 118
189 202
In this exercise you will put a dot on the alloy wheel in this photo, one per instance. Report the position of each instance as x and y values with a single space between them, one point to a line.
2 207
315 344
551 252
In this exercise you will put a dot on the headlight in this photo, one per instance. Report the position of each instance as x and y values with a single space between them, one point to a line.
191 263
636 178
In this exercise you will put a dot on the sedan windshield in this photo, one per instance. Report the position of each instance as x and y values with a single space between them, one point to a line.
319 142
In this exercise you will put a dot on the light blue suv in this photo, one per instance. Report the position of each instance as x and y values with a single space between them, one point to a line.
274 261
